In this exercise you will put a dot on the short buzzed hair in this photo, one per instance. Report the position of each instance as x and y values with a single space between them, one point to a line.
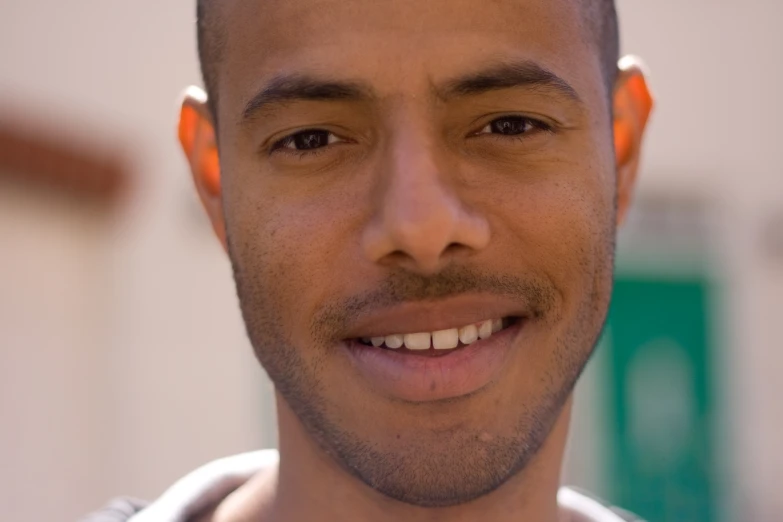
211 40
600 17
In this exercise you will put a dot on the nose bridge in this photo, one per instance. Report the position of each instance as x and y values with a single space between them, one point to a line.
416 184
419 210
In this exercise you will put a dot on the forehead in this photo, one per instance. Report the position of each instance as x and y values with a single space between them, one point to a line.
400 47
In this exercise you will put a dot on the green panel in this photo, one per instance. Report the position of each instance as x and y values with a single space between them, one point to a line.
661 456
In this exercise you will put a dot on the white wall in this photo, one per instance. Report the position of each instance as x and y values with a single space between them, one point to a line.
181 386
52 330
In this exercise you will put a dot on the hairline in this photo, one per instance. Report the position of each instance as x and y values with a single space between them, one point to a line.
599 17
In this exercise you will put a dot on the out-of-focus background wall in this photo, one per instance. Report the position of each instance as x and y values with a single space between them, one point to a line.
123 359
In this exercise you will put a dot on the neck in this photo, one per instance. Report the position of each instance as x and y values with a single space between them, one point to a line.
311 486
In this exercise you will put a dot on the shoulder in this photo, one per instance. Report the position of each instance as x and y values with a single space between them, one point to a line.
118 510
584 506
195 493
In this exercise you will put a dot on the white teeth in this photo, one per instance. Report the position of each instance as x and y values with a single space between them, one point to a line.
468 334
497 325
418 341
445 339
485 329
440 340
393 341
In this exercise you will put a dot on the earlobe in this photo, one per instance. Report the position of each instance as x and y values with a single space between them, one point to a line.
633 105
196 134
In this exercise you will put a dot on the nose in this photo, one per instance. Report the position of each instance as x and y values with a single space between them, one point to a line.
421 223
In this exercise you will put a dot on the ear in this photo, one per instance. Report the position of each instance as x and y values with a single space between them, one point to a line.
197 137
633 105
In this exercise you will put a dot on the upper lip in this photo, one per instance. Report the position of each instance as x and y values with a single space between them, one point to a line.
432 316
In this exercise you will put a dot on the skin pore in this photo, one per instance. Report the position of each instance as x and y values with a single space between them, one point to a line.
384 162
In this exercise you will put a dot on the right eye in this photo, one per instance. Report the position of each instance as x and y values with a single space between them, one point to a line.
305 141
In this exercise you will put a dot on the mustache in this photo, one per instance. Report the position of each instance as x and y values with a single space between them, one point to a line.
537 293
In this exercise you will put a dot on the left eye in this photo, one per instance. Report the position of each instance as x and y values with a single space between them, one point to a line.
512 126
307 140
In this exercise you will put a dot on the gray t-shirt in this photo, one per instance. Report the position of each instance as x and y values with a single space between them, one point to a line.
210 484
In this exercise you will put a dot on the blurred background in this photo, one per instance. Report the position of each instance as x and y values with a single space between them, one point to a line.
123 358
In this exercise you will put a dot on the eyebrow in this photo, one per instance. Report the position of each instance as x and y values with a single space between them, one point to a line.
504 75
299 87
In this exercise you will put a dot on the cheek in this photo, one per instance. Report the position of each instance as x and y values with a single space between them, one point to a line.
292 245
562 225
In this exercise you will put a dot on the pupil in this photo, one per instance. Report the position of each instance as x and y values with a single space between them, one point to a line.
510 125
311 140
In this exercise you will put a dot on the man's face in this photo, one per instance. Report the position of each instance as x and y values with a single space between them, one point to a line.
452 164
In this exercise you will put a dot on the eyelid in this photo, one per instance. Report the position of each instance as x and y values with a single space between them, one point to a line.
280 145
283 143
539 124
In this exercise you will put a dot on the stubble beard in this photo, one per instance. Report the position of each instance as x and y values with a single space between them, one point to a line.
439 472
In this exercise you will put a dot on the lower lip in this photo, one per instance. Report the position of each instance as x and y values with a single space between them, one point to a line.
420 378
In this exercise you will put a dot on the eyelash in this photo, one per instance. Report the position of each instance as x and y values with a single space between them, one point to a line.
281 147
537 126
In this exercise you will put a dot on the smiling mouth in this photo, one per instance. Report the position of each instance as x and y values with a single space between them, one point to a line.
439 342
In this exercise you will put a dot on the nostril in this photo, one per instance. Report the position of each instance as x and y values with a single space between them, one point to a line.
454 248
430 261
398 257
